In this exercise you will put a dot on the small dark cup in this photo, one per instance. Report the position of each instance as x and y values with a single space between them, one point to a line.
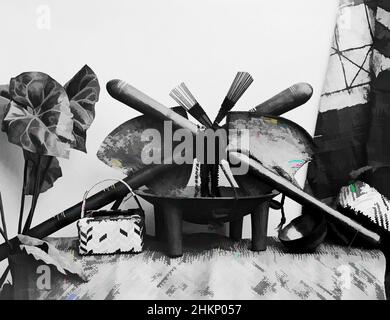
304 233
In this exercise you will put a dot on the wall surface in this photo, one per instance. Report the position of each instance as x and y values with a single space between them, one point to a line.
154 45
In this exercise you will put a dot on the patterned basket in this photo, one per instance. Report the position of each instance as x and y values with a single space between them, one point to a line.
111 231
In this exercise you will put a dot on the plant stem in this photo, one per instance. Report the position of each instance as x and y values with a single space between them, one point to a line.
36 193
4 276
39 180
3 234
6 238
117 203
3 231
2 216
22 197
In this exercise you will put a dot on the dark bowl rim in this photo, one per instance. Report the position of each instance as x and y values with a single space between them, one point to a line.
270 195
321 224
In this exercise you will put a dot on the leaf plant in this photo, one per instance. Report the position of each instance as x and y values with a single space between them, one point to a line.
39 250
46 120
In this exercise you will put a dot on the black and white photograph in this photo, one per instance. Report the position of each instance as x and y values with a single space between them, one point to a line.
210 152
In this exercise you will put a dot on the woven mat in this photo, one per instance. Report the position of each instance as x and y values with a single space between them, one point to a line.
214 267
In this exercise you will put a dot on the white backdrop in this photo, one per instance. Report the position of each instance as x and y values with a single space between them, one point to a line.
154 45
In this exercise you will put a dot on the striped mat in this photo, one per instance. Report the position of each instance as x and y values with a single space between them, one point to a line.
214 267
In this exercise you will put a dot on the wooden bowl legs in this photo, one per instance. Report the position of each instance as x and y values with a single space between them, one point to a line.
173 223
159 223
168 227
259 221
235 229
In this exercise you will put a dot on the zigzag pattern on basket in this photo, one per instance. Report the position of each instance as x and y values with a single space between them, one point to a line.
139 228
111 235
84 238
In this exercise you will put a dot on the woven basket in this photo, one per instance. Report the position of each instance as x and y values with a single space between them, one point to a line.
111 231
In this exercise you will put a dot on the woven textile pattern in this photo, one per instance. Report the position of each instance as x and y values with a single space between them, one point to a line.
214 267
109 235
353 125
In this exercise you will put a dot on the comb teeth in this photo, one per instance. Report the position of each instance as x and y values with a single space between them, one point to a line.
182 95
364 220
240 84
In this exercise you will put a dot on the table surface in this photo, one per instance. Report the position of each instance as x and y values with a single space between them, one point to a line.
215 267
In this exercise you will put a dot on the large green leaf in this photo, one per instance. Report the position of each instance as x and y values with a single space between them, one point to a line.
48 165
38 117
83 92
4 91
49 254
122 150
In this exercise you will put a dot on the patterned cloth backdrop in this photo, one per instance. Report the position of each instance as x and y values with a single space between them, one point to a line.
353 125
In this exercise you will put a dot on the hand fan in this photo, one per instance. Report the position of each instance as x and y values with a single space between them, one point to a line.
122 150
